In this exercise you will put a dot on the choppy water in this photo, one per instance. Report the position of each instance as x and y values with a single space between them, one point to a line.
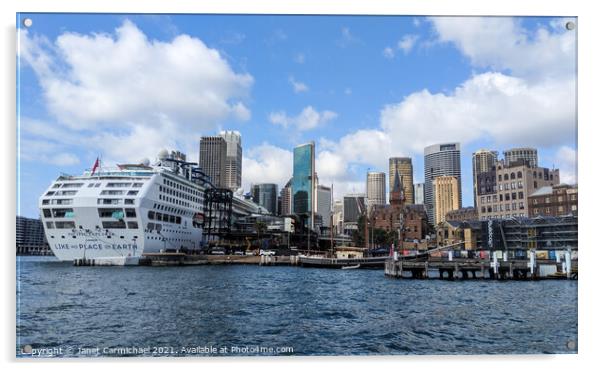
91 311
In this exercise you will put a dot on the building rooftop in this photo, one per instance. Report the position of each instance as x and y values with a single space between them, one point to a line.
547 190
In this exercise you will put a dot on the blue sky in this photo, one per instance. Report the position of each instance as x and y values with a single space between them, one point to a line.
364 88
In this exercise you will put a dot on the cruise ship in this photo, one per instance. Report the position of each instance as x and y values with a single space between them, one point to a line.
117 214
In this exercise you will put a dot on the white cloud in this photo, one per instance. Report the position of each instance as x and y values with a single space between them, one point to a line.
491 106
46 152
298 86
299 58
267 164
278 35
407 43
347 38
388 53
308 119
123 84
502 43
565 159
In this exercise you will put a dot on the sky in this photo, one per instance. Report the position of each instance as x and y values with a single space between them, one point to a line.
364 88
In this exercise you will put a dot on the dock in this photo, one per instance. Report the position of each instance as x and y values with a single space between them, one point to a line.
462 269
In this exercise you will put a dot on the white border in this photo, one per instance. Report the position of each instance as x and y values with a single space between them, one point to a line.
589 178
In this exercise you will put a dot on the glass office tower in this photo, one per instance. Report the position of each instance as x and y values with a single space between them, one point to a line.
304 181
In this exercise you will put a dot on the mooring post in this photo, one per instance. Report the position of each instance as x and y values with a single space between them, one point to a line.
495 265
567 257
511 271
532 262
426 269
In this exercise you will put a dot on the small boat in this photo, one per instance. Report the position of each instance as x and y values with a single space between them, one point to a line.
351 266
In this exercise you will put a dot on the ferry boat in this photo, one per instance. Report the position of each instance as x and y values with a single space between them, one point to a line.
118 214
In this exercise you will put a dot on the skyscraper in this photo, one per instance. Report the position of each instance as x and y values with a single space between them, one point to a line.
266 195
212 159
525 155
406 173
483 161
304 181
285 199
375 189
233 175
440 160
324 204
419 193
447 197
354 206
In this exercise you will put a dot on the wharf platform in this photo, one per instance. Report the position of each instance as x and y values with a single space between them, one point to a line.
479 269
169 259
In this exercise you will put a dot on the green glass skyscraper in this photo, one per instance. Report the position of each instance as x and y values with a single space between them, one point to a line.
304 181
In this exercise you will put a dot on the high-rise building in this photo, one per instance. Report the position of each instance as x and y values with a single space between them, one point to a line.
440 160
446 191
212 159
285 199
266 195
354 205
403 165
324 204
419 193
483 160
519 156
375 189
30 237
233 177
503 192
304 182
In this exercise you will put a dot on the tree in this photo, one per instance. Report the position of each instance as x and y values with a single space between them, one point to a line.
260 228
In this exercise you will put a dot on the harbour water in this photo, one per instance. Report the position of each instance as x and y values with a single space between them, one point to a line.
234 310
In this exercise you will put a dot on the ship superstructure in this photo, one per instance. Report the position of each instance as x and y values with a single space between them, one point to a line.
125 211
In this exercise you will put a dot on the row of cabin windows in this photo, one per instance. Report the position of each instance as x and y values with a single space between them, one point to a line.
105 224
173 192
67 185
116 213
181 187
176 201
58 213
65 201
61 193
118 192
152 215
170 209
114 201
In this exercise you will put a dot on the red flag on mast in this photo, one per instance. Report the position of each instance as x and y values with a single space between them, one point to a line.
95 166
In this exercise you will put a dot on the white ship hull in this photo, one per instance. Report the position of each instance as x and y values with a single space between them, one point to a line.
121 215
